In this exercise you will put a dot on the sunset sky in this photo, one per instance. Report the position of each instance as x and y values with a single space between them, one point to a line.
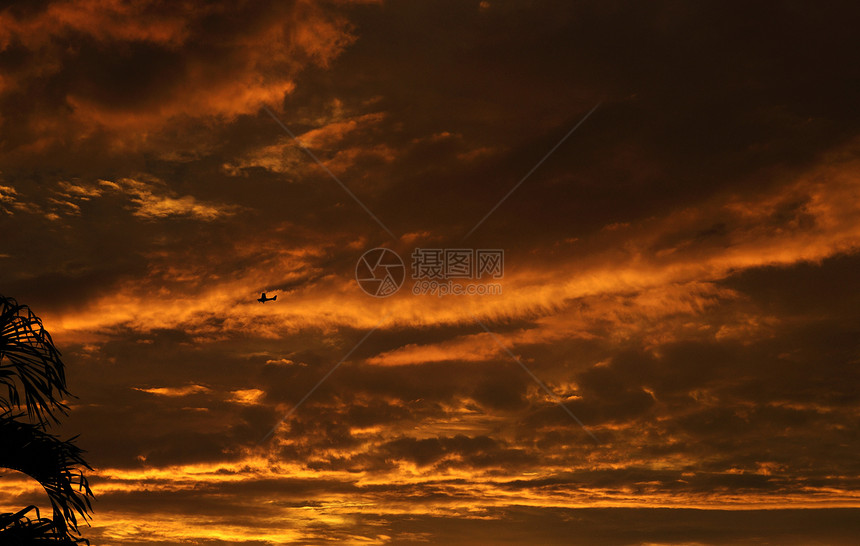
674 357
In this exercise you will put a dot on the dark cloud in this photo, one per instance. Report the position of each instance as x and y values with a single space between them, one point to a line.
680 272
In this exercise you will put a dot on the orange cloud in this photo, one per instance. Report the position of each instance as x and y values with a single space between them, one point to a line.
473 348
657 283
246 396
174 391
287 157
102 20
262 53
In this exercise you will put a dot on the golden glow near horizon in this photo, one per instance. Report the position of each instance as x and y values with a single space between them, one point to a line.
679 273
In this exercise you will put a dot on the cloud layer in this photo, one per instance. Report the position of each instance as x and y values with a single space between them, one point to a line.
680 273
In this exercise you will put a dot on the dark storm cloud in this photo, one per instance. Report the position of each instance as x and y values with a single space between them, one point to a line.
489 69
804 290
522 525
113 66
695 101
109 91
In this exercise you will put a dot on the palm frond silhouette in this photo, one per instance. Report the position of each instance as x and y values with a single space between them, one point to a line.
19 530
32 393
30 365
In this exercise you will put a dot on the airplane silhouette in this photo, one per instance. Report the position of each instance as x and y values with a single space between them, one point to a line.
264 299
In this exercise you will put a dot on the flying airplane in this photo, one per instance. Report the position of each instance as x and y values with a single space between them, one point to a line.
264 299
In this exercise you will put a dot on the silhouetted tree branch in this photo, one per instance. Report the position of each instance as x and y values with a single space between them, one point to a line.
33 375
30 365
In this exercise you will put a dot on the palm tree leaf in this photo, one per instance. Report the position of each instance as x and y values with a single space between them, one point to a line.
31 367
18 529
32 376
54 463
